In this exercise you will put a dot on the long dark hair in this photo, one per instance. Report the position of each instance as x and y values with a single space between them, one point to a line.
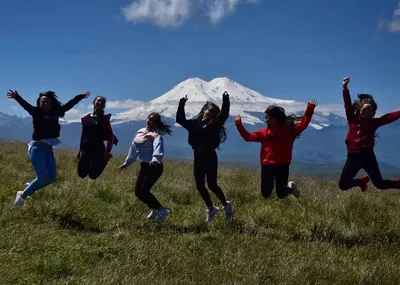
101 112
161 127
364 99
56 105
279 114
222 129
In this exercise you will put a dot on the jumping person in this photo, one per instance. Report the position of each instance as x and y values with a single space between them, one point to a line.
96 128
206 133
148 148
46 130
277 141
360 141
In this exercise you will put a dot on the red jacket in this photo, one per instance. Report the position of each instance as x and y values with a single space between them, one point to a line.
361 134
277 141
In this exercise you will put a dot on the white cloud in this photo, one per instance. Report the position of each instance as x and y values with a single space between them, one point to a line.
174 13
165 13
125 104
393 25
73 115
14 108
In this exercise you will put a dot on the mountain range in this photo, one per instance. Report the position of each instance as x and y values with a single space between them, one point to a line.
320 149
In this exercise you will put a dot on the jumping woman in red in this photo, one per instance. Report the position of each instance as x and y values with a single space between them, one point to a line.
276 147
360 142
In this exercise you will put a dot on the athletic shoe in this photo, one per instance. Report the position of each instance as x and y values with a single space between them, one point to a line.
295 191
152 215
228 211
162 214
211 213
18 199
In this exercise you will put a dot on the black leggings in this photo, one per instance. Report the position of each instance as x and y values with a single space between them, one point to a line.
147 177
278 173
91 162
367 161
206 166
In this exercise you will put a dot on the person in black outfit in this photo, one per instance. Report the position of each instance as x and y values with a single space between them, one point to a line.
46 130
206 133
96 128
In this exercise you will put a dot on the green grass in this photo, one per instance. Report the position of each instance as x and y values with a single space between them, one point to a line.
83 232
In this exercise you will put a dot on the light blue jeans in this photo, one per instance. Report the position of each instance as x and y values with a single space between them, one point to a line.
44 163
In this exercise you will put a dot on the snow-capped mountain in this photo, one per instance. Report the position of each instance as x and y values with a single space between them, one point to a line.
245 102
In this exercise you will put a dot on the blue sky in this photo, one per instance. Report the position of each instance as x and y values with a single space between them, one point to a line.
289 49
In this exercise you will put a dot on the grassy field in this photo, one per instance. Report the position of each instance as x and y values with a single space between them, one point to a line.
83 232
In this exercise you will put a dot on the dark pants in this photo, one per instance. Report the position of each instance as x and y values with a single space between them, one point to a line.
206 167
147 177
278 174
367 161
91 161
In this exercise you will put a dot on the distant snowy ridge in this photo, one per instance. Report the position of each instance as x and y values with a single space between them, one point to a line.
244 102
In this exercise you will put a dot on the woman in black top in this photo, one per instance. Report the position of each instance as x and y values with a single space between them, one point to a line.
206 133
46 130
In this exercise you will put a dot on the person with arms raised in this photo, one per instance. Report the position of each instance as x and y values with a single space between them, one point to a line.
46 130
277 141
206 133
360 142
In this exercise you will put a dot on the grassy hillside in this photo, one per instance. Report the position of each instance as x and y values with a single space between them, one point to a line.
83 232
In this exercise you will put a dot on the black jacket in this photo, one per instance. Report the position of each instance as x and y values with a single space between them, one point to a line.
45 124
202 135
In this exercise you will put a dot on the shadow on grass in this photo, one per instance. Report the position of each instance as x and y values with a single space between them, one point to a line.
74 222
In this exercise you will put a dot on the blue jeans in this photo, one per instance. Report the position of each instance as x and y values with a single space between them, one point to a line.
44 163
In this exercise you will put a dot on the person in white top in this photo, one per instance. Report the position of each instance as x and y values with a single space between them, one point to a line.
148 148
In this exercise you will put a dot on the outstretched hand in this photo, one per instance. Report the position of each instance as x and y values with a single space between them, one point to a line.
86 94
238 118
184 99
12 94
345 81
314 102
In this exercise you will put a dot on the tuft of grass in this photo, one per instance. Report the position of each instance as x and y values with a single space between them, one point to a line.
79 231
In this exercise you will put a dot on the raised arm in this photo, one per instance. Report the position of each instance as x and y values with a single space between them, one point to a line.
256 136
180 114
224 115
305 121
387 119
158 150
28 107
71 103
348 106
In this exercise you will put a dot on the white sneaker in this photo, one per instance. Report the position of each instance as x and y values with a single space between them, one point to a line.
162 214
18 199
295 191
211 213
228 210
152 215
